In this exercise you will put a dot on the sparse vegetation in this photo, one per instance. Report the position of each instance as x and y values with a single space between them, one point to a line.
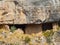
15 37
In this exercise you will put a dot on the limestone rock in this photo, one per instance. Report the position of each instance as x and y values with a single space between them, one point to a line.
7 11
56 38
20 31
20 17
29 11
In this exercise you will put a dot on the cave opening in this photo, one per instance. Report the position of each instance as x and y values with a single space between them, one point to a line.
21 26
47 26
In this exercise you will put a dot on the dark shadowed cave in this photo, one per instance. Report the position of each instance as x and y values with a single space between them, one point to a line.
22 26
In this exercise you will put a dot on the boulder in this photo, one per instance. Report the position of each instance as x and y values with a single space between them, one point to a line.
19 31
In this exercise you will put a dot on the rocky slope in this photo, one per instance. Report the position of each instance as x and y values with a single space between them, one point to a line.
17 37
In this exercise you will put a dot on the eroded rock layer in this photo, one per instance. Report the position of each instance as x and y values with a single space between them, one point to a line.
29 11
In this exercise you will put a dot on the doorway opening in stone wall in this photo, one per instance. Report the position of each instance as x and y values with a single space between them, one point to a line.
47 26
20 26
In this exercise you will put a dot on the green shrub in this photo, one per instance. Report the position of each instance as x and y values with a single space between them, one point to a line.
27 39
13 28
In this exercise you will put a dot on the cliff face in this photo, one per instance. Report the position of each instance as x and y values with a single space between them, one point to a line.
29 11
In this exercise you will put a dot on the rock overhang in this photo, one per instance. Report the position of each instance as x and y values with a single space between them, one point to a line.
29 11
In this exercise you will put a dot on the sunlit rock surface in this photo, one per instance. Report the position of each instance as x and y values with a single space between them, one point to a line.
56 38
29 11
